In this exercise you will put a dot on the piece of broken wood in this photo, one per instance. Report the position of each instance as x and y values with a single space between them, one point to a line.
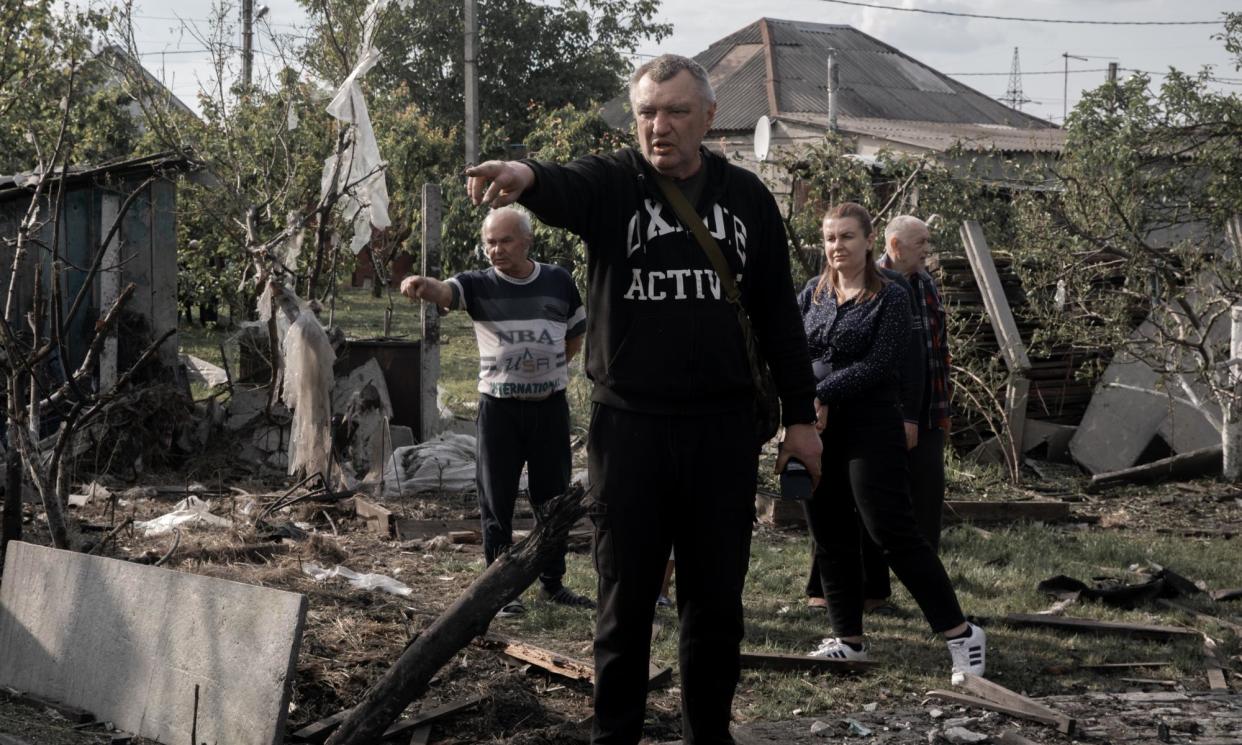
1200 462
1214 664
956 511
317 732
468 617
1091 626
1208 617
465 536
1125 665
564 665
982 703
1232 593
770 661
379 519
1021 705
1149 682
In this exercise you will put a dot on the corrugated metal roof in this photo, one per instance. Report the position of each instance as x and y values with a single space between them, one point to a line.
941 136
876 83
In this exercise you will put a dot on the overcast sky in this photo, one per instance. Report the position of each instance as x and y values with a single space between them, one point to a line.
960 47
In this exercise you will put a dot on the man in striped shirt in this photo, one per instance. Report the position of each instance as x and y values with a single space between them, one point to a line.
529 322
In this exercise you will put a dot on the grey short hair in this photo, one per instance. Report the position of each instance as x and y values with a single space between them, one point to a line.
899 225
523 218
666 67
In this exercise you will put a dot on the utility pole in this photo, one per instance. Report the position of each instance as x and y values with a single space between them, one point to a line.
247 24
1112 72
1013 94
472 83
1065 87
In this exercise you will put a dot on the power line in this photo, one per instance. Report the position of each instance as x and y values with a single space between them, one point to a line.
1022 18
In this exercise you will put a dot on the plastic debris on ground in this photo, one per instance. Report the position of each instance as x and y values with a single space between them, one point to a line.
188 513
361 581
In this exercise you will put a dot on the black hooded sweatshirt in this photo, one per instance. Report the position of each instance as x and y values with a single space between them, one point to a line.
661 337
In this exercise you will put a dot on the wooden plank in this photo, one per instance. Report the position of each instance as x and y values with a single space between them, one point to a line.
164 267
790 662
1183 465
1236 628
109 287
1004 326
423 719
546 659
1091 626
1214 665
1232 593
465 536
1004 512
1125 665
317 732
981 703
1015 701
379 519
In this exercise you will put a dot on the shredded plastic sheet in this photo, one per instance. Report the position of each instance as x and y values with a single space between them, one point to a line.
189 512
308 359
444 463
366 202
361 581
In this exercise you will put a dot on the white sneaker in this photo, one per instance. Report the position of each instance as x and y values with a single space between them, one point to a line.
833 648
969 653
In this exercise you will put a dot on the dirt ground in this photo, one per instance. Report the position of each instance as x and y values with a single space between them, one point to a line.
352 636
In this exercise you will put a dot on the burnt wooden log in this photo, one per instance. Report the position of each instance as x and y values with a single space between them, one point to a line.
467 618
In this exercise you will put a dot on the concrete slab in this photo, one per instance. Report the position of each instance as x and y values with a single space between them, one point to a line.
150 649
1120 421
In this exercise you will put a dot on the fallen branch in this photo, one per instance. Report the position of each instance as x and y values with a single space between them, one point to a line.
468 617
111 534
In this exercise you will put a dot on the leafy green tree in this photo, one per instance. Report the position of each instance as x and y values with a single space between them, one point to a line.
573 53
1147 189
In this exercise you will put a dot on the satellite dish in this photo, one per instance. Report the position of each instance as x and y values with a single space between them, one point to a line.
763 138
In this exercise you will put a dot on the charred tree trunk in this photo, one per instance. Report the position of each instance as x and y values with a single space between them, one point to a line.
464 620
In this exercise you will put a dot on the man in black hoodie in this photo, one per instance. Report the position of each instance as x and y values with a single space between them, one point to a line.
672 448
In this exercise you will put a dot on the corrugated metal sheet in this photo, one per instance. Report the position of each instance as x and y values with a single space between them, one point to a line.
941 136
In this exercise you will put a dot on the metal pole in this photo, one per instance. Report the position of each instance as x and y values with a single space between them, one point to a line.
247 23
429 347
472 83
833 82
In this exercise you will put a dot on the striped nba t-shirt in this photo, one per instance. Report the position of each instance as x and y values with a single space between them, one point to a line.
521 326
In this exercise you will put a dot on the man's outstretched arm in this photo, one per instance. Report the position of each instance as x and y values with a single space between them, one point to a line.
427 288
498 182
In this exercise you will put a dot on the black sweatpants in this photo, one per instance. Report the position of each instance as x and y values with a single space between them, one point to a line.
686 482
865 477
927 496
511 433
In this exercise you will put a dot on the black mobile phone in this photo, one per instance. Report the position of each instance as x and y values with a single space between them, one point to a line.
795 480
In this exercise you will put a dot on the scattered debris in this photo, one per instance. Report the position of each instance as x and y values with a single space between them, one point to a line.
1016 703
379 519
188 513
963 736
203 372
360 581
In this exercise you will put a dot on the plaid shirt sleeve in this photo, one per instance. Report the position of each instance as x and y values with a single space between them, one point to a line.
939 411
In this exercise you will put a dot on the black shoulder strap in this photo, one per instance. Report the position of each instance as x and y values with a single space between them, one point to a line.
691 220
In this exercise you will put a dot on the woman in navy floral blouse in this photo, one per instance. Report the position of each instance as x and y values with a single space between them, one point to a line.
856 324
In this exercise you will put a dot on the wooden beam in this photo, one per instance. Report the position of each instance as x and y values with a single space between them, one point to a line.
1125 665
981 703
317 732
1091 626
379 519
790 662
1027 707
1004 512
1004 326
1202 462
1214 665
422 719
1235 627
546 659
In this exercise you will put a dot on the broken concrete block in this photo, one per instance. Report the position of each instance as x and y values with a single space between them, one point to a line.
149 649
245 405
963 736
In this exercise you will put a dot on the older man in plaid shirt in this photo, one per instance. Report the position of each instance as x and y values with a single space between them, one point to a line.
907 241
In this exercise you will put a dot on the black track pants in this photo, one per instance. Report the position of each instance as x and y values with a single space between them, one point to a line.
670 481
